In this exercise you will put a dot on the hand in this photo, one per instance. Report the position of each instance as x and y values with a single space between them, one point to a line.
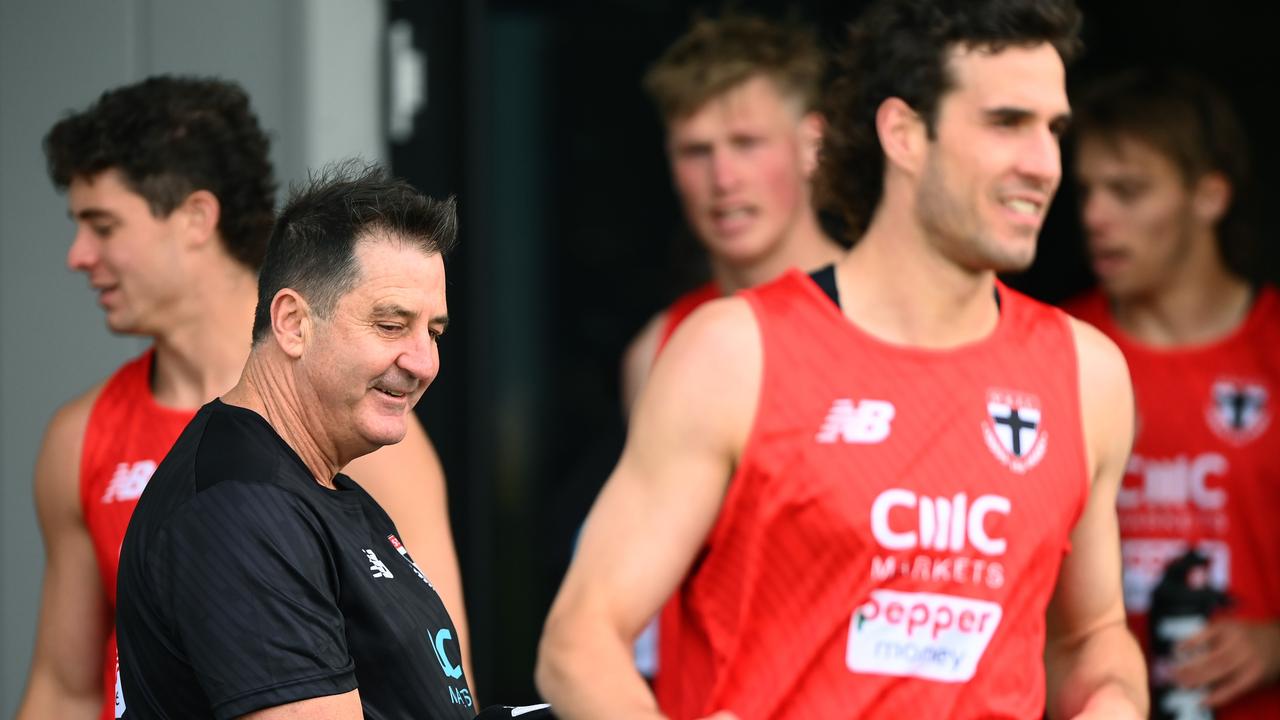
722 715
1230 658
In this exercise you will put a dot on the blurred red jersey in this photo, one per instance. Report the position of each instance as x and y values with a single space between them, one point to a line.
1205 469
127 435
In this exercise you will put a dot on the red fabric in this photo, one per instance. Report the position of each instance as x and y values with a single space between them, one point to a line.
1194 479
127 435
833 501
683 307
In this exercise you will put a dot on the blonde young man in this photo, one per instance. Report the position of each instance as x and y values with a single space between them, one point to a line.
171 192
738 96
885 489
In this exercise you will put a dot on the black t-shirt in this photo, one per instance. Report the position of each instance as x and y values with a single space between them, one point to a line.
244 584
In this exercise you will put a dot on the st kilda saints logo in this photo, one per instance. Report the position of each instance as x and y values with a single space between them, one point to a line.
1238 411
1013 429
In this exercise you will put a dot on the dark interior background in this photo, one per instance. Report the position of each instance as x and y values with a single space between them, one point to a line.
571 239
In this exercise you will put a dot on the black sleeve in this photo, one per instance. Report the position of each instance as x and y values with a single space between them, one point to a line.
254 598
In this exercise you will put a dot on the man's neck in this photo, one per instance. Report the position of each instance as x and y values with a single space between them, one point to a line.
806 248
200 355
897 287
268 388
1188 312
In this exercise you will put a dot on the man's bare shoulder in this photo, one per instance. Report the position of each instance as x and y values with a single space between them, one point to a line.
716 332
638 358
712 365
72 417
1102 364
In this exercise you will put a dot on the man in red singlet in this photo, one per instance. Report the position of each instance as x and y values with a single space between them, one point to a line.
171 191
886 489
1162 164
739 96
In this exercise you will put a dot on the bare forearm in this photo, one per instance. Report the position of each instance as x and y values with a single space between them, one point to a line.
44 699
1102 672
589 673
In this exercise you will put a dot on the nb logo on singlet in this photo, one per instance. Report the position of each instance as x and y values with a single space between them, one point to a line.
129 480
864 422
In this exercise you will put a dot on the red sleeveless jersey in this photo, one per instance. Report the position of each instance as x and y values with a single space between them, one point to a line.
1205 468
683 307
126 437
892 535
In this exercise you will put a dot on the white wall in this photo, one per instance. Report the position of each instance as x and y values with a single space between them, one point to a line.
311 68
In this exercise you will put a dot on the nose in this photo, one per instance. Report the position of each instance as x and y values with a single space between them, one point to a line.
1041 158
84 251
724 171
421 359
1094 212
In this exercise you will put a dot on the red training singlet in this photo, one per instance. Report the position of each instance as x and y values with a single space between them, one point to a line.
1205 469
127 435
890 540
683 307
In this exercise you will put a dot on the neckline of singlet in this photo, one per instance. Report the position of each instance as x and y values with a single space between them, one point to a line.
825 278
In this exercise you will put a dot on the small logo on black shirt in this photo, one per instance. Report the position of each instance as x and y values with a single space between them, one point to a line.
376 566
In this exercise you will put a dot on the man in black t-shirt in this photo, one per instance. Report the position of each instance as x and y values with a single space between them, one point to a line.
254 577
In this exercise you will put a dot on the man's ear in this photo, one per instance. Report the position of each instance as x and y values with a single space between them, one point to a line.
200 213
811 128
903 135
291 322
1211 197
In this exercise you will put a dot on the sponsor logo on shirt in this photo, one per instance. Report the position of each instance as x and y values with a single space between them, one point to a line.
1238 411
1184 495
1013 429
399 546
904 521
864 422
129 480
376 566
457 695
924 635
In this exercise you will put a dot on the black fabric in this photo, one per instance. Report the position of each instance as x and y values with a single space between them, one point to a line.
244 585
825 278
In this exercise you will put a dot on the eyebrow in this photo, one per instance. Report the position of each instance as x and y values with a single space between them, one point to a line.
384 310
93 214
1007 113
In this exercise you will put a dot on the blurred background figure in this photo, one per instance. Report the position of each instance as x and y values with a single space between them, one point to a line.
1163 173
738 96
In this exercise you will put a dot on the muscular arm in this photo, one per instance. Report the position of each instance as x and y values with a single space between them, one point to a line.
1095 668
66 668
408 482
653 515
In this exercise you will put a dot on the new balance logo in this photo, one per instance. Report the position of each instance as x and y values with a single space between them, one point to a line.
129 481
376 567
863 422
